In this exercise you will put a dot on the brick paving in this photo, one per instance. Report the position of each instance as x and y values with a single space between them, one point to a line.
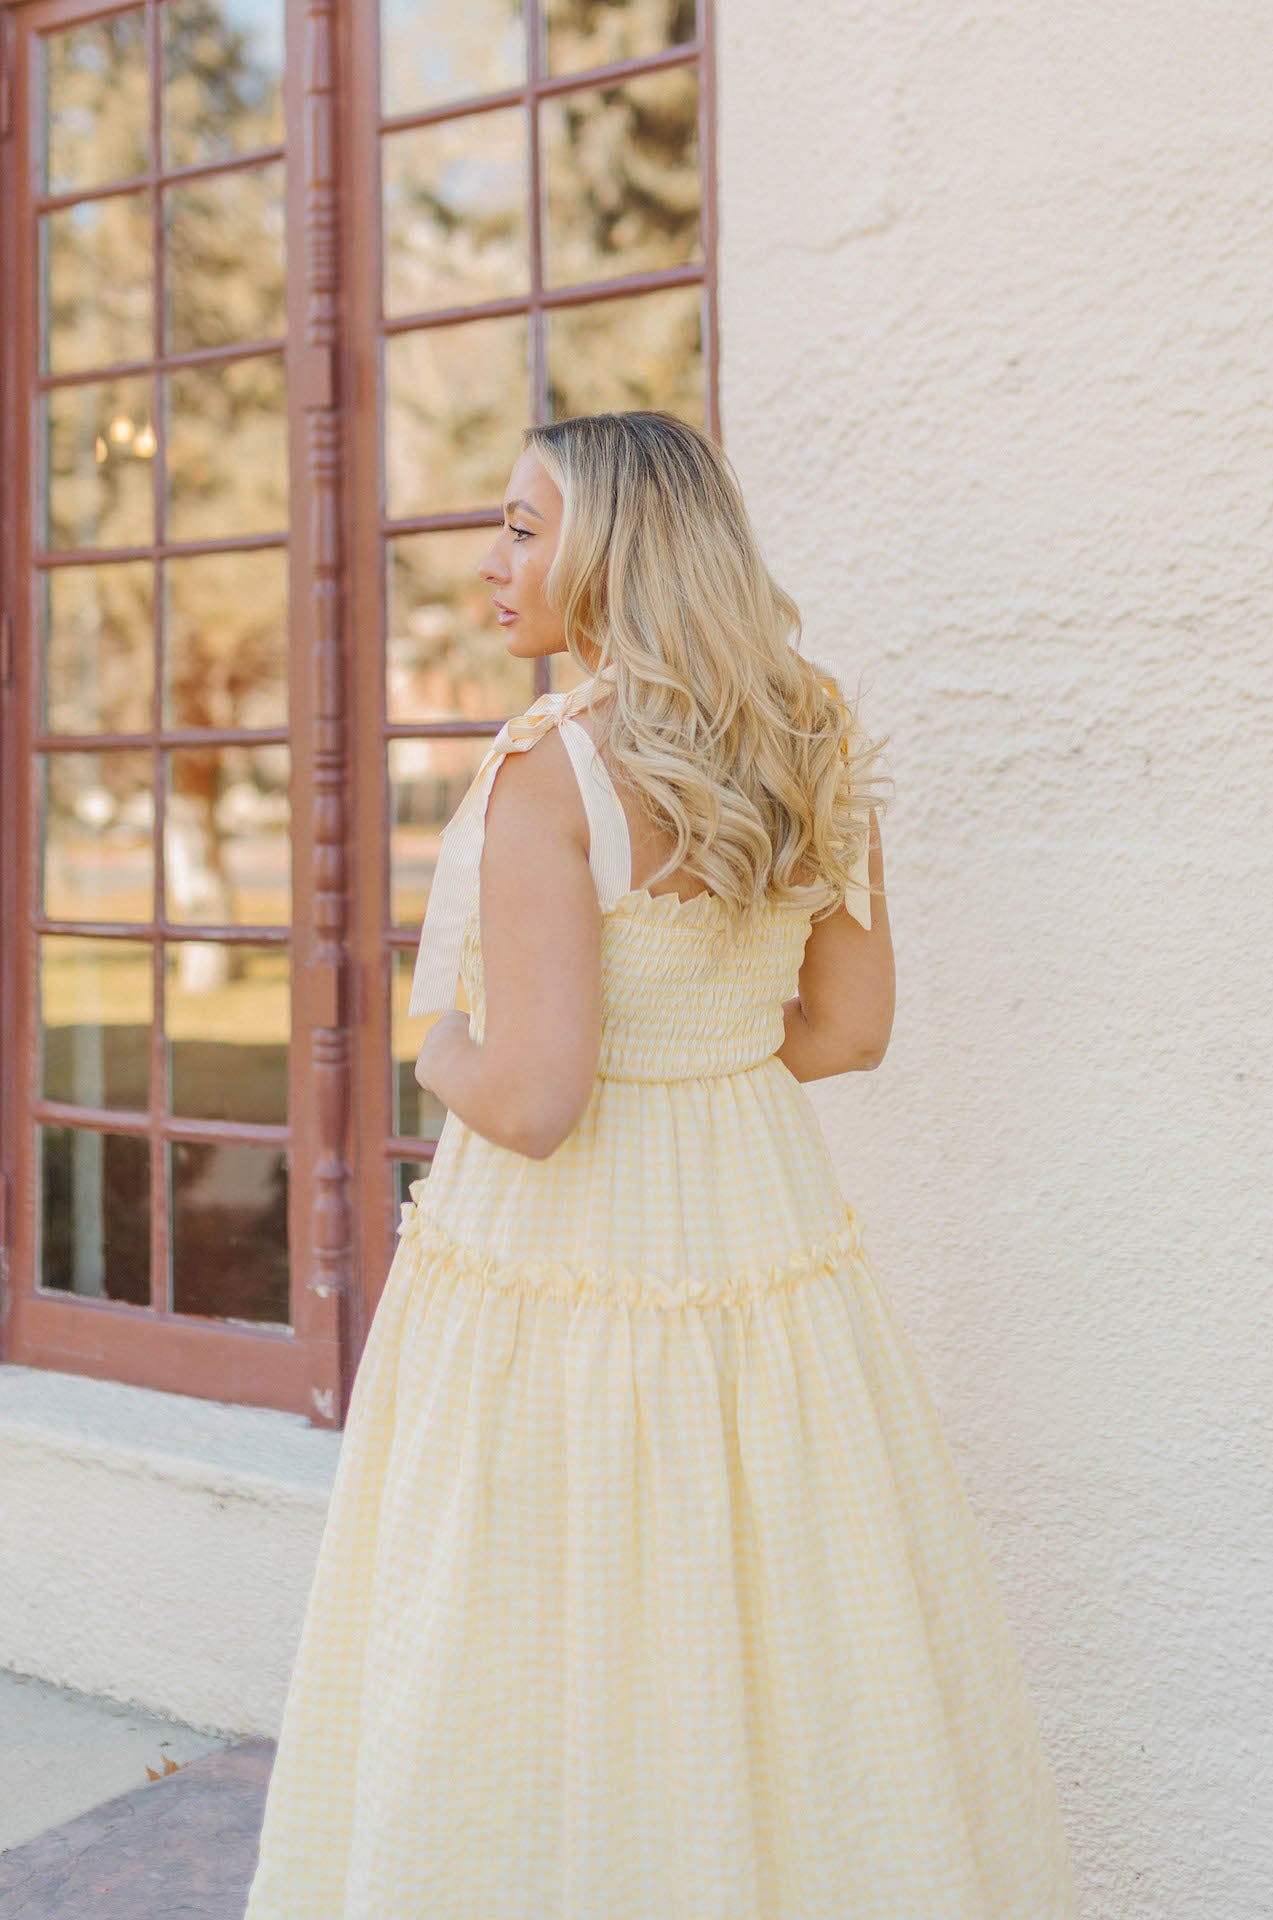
179 1848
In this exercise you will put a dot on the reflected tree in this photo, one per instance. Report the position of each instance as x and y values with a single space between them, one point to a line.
226 470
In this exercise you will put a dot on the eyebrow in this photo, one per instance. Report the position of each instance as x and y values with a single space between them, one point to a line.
514 504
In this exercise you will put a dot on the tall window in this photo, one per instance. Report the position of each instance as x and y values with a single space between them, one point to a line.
288 278
542 251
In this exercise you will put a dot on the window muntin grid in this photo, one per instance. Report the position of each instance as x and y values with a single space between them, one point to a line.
162 752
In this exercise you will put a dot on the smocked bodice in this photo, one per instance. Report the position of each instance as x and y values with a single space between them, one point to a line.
670 1009
664 992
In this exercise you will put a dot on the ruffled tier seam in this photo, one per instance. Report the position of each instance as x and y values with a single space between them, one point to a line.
490 1272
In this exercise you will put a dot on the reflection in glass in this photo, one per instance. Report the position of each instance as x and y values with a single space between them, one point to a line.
223 78
227 1019
225 640
96 263
96 1010
405 1174
646 351
96 116
416 1114
456 401
225 258
227 838
99 648
427 779
581 33
229 1231
432 52
96 834
445 656
95 1214
227 450
622 190
100 441
455 212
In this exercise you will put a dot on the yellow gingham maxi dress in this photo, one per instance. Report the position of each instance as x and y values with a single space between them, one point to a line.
648 1589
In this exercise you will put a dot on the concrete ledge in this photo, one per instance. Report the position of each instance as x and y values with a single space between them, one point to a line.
158 1549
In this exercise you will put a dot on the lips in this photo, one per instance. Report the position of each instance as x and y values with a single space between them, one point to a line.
503 614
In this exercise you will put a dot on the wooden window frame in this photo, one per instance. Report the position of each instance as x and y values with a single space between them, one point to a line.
304 1367
341 1207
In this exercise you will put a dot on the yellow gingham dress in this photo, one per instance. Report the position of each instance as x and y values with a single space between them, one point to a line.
648 1589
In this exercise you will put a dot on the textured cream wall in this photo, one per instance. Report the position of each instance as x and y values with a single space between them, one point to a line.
996 287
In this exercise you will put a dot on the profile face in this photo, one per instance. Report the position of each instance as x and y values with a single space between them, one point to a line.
515 565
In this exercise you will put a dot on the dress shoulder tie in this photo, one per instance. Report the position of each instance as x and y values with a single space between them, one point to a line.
455 877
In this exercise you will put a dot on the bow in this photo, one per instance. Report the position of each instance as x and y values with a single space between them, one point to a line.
455 877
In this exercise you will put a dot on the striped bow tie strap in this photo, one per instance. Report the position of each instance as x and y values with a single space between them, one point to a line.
455 878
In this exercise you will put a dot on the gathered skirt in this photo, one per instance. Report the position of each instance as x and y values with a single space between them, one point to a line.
641 1599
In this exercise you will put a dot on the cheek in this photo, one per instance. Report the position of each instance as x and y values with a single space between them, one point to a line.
530 574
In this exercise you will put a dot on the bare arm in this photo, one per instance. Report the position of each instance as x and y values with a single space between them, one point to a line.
526 1083
842 1015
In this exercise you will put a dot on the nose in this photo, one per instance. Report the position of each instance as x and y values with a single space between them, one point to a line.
488 566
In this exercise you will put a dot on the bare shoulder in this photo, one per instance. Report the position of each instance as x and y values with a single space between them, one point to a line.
535 788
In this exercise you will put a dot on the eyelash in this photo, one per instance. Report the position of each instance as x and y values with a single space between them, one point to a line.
524 532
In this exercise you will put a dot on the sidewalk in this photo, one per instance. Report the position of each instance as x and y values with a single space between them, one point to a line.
87 1834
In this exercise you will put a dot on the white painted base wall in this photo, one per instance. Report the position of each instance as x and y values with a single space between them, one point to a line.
155 1549
996 297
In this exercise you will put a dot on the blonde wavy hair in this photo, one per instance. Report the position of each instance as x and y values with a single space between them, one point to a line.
733 742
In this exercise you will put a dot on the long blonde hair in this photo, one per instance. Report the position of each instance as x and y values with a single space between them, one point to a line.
733 742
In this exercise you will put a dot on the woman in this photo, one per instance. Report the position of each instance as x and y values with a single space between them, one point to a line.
648 1590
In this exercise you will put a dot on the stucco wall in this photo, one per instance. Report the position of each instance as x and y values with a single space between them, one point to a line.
995 308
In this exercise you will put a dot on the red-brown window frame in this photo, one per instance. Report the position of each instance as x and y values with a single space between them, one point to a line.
304 1367
340 1108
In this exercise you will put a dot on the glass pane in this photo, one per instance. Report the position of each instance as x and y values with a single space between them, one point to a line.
96 262
227 837
616 354
99 648
405 1175
622 190
455 212
432 51
583 33
427 779
95 1214
224 259
445 657
96 1009
457 399
417 1114
96 112
229 1231
98 820
227 450
223 78
227 1017
99 444
225 640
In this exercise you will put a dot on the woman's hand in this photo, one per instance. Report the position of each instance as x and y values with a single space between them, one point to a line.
435 1041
